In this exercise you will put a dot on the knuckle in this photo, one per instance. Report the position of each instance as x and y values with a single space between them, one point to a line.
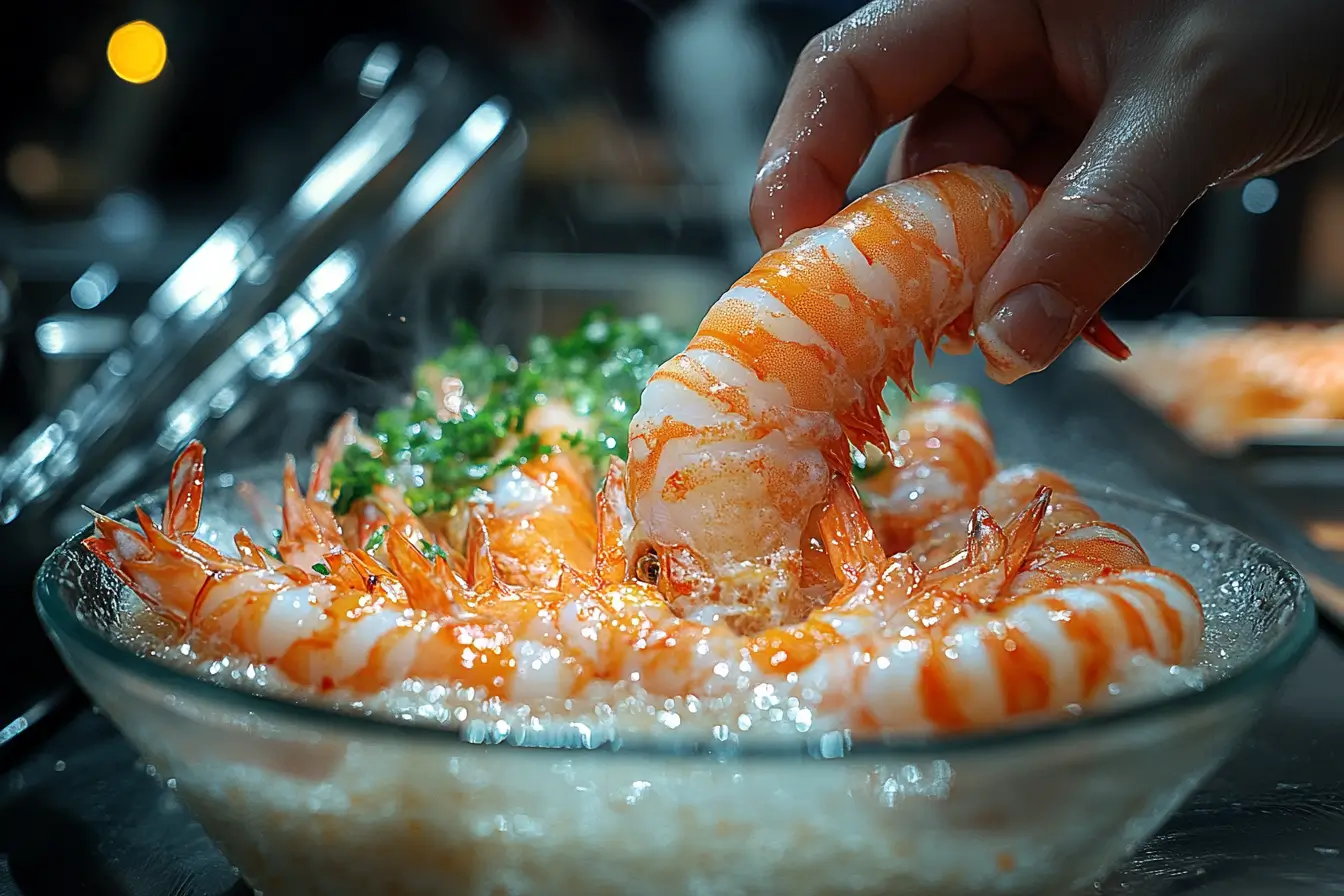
814 52
1110 199
1204 74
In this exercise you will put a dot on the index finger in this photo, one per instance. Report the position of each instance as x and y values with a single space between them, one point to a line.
853 81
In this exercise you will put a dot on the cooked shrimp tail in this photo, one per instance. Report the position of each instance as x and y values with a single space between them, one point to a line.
993 554
309 531
425 572
165 575
182 508
482 573
342 435
1101 337
252 553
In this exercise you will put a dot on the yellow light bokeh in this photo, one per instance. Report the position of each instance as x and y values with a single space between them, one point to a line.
137 52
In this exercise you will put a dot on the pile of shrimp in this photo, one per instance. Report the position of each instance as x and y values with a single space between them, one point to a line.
1223 388
735 553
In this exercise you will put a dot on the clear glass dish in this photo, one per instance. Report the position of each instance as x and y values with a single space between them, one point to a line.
307 800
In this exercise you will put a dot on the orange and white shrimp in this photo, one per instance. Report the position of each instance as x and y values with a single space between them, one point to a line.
736 438
896 647
945 651
359 626
944 455
541 514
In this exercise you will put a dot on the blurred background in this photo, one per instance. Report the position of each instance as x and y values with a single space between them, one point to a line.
265 218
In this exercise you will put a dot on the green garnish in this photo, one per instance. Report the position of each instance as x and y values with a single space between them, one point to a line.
432 551
276 534
376 539
443 459
321 569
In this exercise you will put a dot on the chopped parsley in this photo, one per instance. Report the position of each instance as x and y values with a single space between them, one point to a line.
321 569
376 539
443 458
432 551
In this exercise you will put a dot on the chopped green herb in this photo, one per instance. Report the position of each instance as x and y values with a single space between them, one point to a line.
273 552
376 539
277 535
432 551
321 569
599 370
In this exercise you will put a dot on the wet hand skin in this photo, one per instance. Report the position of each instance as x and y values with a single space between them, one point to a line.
1128 109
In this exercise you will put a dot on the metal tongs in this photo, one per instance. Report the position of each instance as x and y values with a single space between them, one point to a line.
252 307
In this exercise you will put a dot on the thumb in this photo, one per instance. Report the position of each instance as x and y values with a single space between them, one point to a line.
1098 224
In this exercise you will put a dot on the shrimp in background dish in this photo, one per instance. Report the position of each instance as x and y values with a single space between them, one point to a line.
737 437
1224 387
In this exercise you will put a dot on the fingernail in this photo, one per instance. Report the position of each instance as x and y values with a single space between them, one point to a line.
1029 329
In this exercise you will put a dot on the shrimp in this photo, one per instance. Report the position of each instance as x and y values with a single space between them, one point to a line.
939 652
1003 494
1002 631
944 455
1069 521
540 513
359 627
543 512
736 438
542 521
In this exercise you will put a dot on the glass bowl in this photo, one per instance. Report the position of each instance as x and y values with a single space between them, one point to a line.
310 800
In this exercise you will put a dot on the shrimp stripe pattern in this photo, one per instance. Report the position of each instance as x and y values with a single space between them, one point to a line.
1015 624
737 437
944 456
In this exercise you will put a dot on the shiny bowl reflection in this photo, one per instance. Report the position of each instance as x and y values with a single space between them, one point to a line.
305 800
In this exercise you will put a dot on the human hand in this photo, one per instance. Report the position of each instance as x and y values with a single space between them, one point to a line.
1129 109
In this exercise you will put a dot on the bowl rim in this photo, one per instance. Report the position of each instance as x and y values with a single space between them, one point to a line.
1278 658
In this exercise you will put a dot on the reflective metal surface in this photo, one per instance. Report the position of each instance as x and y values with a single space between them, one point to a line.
412 198
251 304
